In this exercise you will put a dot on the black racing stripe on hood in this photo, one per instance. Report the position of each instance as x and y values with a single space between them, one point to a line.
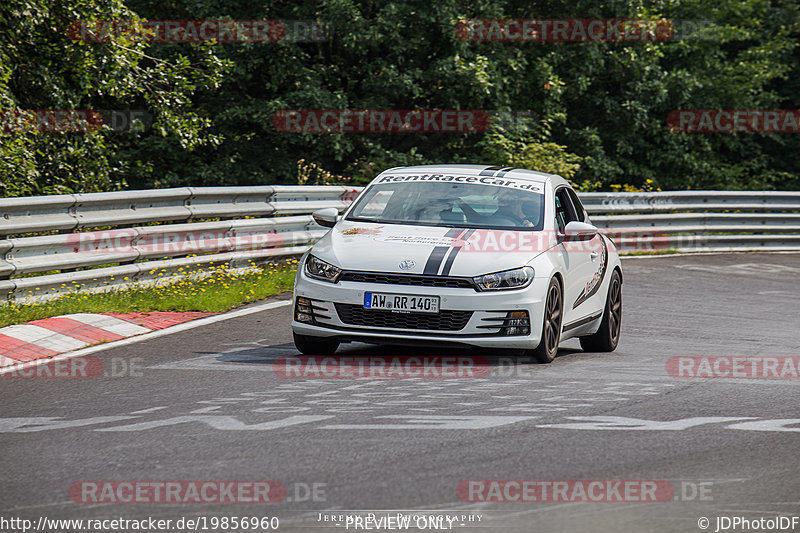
438 252
435 259
448 264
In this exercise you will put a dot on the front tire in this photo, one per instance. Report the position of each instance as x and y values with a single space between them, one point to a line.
314 345
551 326
607 337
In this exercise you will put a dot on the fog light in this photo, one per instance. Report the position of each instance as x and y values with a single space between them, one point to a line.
303 311
517 323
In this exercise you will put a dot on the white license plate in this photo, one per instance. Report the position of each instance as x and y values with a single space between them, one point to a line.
402 303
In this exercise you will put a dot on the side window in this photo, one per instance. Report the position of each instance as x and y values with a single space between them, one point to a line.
561 215
565 211
576 203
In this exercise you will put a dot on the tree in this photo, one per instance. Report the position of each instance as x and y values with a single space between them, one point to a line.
599 109
42 69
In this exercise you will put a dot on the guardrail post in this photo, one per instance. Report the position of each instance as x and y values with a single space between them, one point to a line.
6 268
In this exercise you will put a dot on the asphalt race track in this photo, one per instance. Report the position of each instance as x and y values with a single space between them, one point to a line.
205 404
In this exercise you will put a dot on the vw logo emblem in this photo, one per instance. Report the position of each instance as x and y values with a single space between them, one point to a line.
408 264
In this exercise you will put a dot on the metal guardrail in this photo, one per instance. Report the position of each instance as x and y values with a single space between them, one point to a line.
141 253
68 212
698 221
704 201
73 250
648 221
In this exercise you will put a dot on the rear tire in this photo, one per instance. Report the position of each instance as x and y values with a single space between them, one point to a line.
314 345
551 325
607 336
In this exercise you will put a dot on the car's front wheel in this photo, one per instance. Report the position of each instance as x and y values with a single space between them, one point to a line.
314 345
551 327
607 337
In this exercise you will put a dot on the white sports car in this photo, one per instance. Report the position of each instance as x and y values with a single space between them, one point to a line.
462 255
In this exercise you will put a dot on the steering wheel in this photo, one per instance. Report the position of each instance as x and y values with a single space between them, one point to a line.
470 214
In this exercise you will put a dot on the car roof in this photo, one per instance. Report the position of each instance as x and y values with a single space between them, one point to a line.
478 170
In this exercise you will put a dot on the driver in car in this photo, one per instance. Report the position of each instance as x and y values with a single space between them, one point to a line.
511 205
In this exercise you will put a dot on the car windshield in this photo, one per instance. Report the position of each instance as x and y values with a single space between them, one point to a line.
470 205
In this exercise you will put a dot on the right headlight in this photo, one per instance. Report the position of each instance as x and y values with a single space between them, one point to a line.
516 278
318 269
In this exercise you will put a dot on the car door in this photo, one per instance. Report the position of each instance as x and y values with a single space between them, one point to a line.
585 260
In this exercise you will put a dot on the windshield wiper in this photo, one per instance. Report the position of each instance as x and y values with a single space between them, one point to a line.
362 219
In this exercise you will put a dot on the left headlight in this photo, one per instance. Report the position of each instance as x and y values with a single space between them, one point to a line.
318 269
517 278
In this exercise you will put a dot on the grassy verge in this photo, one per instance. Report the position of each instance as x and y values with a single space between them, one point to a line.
651 252
223 289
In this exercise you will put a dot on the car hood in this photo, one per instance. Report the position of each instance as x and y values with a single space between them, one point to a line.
434 250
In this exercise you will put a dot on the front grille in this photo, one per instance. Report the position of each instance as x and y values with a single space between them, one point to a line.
407 279
379 318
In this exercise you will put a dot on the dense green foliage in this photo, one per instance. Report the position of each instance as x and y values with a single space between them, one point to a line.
41 68
599 108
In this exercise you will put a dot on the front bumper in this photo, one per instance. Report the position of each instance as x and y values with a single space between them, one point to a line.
482 305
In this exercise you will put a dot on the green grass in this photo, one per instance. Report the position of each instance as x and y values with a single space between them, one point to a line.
652 252
217 292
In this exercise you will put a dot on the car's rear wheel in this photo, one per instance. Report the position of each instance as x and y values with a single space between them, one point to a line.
314 345
607 337
551 327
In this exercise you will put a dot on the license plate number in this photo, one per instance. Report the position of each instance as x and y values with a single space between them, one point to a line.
401 303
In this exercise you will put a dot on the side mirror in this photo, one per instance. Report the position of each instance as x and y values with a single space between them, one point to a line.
326 217
579 231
